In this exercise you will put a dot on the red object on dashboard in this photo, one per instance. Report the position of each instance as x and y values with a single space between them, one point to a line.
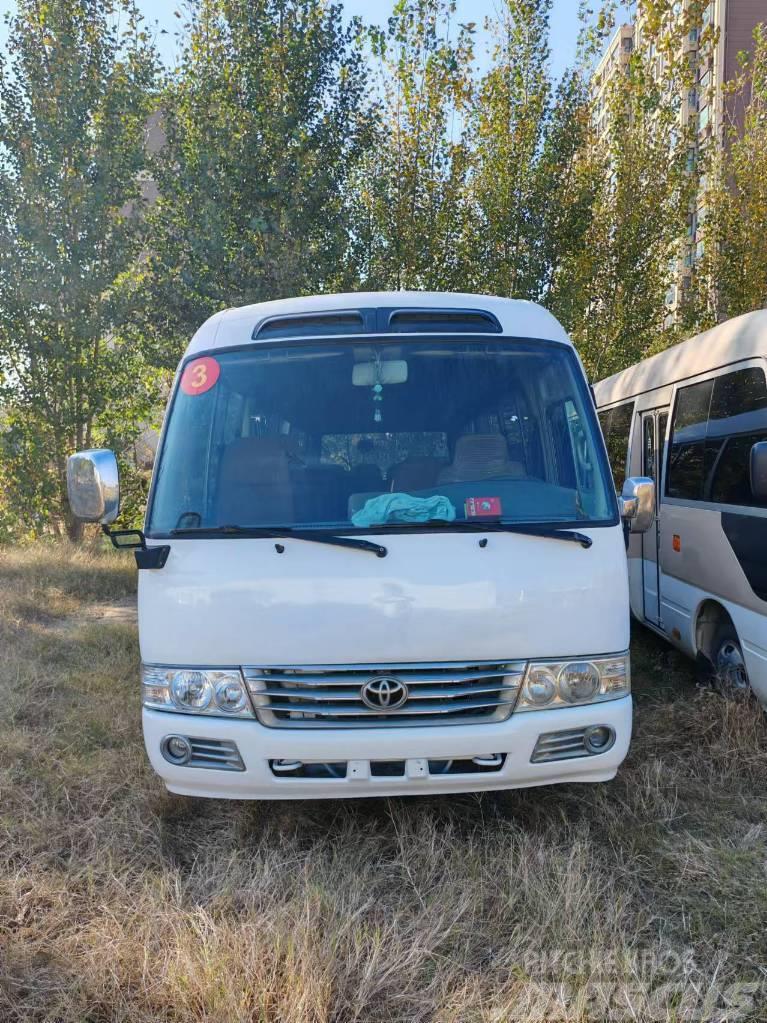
477 507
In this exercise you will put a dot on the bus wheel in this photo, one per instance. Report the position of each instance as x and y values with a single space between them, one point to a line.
730 674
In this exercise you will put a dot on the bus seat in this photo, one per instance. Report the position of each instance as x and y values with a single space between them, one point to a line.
415 474
480 456
254 483
365 476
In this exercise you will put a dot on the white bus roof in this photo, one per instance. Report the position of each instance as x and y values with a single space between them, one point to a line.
741 338
237 326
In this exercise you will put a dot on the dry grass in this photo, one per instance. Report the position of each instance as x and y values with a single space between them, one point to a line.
641 899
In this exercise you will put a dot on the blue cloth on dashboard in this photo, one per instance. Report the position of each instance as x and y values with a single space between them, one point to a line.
403 508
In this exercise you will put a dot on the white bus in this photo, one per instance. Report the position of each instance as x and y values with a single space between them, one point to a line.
382 554
694 418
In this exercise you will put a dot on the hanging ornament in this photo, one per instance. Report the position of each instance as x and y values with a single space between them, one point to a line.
378 391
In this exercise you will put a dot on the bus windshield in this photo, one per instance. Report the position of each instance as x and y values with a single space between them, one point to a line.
360 435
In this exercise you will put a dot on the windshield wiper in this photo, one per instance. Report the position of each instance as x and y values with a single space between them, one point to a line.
547 532
496 526
282 532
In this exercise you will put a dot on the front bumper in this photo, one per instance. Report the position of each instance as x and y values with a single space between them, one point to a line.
516 738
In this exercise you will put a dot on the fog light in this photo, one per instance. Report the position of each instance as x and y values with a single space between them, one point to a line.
176 749
599 738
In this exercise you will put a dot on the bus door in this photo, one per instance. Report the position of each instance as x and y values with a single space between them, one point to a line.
653 436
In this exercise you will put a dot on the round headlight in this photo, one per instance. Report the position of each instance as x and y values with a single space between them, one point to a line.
230 696
540 687
578 682
191 690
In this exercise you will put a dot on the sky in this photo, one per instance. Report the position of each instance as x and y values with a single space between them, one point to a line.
564 23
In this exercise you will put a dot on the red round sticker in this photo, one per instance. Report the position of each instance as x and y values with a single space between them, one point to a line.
200 375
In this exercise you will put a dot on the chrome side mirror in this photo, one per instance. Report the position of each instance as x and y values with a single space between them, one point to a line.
637 503
93 486
758 471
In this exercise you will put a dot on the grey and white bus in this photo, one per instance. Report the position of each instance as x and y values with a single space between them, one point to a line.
694 419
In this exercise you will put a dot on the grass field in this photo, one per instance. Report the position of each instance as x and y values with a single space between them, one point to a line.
643 899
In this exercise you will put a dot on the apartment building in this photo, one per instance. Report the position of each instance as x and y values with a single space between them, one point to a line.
613 62
711 46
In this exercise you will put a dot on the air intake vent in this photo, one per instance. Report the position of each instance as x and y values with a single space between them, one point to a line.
443 321
310 325
576 742
218 753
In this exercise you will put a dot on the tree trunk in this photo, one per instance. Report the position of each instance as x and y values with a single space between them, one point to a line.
75 528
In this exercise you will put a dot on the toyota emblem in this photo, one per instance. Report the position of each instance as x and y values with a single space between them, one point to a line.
384 693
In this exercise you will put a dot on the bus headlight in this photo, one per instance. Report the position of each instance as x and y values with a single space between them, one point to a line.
550 684
210 691
578 682
540 685
191 690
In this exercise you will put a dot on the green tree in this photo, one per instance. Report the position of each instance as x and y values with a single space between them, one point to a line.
567 191
508 126
76 87
409 205
264 120
731 278
638 171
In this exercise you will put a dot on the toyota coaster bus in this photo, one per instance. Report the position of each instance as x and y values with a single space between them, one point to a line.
382 554
694 418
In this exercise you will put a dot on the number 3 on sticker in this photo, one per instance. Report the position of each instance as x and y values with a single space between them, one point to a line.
200 375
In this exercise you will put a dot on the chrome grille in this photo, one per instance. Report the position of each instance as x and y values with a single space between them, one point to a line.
330 696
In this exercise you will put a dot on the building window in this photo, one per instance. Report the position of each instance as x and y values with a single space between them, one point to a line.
703 118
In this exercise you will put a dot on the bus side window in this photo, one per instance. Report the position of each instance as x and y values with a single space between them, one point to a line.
716 423
662 427
737 421
684 476
616 427
648 448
